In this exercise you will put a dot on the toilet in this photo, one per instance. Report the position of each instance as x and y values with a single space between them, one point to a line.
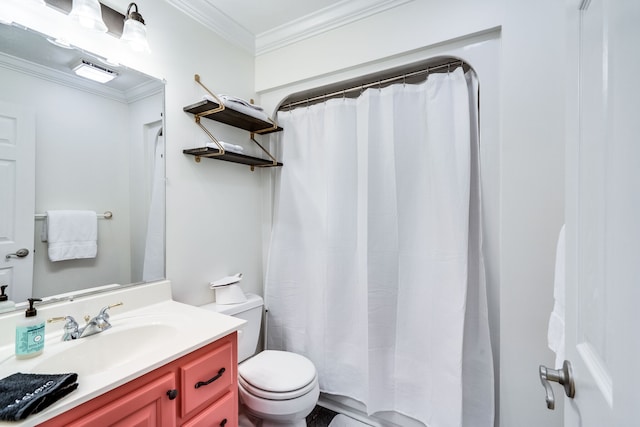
276 388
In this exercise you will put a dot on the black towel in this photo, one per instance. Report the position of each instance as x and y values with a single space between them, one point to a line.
24 394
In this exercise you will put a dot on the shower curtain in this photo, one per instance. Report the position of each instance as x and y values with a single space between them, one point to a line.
375 267
153 267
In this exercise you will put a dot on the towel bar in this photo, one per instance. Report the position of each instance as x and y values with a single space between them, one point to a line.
106 215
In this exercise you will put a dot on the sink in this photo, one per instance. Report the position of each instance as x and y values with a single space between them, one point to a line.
106 350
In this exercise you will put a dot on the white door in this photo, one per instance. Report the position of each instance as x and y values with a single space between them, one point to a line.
17 199
603 213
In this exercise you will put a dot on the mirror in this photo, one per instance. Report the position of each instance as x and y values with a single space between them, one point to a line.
98 147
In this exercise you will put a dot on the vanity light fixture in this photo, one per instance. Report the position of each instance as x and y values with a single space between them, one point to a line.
134 31
88 13
94 72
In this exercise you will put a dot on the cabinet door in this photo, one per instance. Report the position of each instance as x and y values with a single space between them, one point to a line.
147 406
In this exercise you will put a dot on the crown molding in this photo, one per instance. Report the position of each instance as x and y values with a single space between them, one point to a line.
55 76
327 19
212 18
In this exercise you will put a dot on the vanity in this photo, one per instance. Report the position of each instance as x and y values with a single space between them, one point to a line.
161 363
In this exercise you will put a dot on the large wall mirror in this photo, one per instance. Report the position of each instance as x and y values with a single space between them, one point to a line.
68 143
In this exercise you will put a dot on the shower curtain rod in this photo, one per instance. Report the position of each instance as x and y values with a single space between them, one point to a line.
361 88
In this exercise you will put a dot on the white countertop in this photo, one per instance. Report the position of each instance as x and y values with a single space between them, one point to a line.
168 330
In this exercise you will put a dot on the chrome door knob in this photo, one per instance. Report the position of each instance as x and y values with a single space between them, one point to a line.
562 376
20 253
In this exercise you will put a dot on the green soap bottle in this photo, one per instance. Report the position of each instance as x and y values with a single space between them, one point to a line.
30 333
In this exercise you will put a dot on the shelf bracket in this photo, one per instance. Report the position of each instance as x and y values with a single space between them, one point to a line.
211 137
274 126
273 159
218 100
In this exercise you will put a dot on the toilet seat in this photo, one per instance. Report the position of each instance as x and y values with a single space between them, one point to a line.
277 375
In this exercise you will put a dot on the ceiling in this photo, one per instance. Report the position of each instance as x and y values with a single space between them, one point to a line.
260 26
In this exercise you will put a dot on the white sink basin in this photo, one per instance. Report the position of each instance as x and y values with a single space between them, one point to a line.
95 354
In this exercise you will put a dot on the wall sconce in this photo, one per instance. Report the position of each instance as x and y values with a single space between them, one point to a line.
134 31
88 14
93 14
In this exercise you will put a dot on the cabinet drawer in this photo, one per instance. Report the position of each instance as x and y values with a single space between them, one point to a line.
223 413
207 377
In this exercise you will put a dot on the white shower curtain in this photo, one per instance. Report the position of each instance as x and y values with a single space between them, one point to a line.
153 267
375 270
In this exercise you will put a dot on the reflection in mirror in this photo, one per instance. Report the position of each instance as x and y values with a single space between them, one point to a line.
68 143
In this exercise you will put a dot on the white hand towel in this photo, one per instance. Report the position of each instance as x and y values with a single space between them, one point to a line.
240 105
555 335
72 235
228 147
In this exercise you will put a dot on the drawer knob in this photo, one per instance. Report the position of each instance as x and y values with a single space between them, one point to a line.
172 394
202 383
223 423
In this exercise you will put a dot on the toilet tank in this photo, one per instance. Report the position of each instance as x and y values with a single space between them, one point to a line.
249 310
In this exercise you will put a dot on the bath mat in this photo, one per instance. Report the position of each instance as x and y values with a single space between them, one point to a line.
341 420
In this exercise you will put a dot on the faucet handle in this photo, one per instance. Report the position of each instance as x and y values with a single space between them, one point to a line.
70 327
102 319
104 313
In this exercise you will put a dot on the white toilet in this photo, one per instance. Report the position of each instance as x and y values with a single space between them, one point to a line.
278 388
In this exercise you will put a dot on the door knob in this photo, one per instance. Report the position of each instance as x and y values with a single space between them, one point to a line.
20 253
562 376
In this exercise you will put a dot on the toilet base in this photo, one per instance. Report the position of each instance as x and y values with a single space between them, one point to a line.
247 420
268 413
297 423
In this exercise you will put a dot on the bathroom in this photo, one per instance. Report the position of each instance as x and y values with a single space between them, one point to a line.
218 215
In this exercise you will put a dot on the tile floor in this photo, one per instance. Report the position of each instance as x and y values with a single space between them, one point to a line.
320 417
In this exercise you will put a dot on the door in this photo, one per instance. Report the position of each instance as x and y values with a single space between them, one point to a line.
17 199
603 213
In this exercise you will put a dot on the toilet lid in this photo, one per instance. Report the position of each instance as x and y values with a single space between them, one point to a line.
277 371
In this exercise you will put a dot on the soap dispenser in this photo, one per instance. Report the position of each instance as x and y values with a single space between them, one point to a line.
5 303
30 333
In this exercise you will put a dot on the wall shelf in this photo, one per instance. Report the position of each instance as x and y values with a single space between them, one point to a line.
230 117
218 112
228 156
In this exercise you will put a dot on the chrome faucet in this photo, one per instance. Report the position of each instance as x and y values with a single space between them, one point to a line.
93 326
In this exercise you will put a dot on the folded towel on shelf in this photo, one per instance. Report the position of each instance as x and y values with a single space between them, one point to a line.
72 235
229 98
240 105
228 147
24 394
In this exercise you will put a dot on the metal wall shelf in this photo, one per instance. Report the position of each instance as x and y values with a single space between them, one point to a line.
228 156
231 117
218 112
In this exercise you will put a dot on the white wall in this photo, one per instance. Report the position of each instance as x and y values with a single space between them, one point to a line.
530 155
213 207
